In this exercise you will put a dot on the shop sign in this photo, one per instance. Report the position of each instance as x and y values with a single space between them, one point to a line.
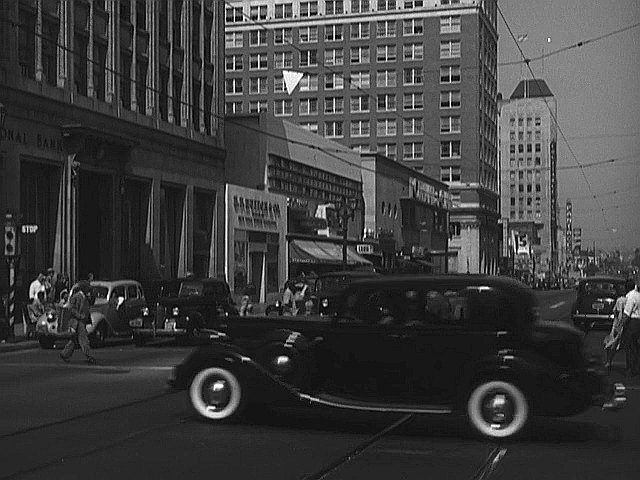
41 142
364 249
429 194
256 214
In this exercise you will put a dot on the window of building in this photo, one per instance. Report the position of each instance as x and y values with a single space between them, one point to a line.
282 36
283 108
283 59
334 7
233 63
450 74
386 5
386 127
360 104
309 58
233 86
386 103
311 126
283 10
413 101
450 99
521 148
308 106
450 49
233 15
386 28
360 55
278 84
334 105
333 81
538 148
450 149
450 124
257 85
334 56
538 162
258 61
360 80
333 129
538 121
258 12
257 38
413 76
385 53
389 150
333 33
359 30
450 174
450 24
233 107
413 51
257 106
308 9
413 26
386 78
413 151
538 188
360 128
308 34
309 83
233 40
413 126
358 6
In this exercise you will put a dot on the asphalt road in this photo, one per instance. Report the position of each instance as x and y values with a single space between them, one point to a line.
115 420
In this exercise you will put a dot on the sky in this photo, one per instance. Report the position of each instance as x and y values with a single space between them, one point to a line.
597 88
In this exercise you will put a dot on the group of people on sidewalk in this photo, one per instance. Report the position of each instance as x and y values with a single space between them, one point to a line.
625 331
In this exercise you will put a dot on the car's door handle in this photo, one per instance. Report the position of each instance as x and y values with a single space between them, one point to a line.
399 335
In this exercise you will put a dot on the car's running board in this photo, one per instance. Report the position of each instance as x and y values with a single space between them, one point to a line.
338 402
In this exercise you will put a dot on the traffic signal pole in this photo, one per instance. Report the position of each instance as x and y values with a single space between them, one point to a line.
11 254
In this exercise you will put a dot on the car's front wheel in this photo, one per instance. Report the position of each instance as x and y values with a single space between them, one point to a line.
99 337
217 394
497 409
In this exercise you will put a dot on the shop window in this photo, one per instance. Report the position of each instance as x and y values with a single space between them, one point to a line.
203 218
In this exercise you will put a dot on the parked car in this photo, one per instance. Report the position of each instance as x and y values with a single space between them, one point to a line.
596 299
430 344
185 308
115 305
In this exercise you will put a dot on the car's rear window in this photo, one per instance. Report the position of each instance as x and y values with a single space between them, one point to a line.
190 288
608 288
99 292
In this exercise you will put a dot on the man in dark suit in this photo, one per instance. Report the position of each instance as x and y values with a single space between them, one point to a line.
80 316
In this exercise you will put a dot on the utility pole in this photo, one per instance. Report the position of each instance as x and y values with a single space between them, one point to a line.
346 211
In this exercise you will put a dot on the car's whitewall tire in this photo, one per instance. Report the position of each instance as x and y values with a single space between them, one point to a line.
497 409
217 394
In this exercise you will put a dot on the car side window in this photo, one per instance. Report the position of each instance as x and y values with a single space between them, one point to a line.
117 292
140 292
132 292
489 308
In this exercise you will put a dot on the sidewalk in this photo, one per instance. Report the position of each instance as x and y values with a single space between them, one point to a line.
19 341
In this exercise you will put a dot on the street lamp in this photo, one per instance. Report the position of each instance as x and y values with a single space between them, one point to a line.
346 211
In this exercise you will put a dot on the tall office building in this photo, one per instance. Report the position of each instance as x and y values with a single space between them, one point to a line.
528 187
413 80
113 141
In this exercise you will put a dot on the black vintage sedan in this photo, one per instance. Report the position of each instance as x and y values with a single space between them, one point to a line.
596 299
464 344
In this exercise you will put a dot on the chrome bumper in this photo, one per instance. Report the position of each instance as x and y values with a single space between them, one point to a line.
618 398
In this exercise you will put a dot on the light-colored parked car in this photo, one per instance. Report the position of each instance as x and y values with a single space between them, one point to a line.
116 305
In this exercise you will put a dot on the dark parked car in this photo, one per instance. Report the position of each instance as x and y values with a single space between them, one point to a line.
596 299
186 308
438 344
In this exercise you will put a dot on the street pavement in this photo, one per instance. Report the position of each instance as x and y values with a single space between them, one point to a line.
116 420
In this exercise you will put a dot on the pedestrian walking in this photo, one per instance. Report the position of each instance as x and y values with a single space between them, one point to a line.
35 310
631 330
613 341
80 316
36 286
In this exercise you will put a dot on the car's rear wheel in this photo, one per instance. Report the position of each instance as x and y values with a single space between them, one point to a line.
217 394
99 337
497 409
46 343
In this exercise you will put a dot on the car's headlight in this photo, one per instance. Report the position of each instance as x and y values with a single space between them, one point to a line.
50 317
175 312
325 302
145 311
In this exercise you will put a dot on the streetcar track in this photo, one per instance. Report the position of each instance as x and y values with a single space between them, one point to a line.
85 415
490 464
115 443
91 367
356 451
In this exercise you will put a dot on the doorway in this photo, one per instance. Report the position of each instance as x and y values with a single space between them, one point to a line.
95 233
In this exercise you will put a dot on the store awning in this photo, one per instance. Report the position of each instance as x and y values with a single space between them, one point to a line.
312 251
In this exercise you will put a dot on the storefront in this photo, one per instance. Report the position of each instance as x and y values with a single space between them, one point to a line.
255 243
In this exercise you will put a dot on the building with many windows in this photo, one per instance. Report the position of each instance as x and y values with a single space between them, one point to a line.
113 141
528 157
412 80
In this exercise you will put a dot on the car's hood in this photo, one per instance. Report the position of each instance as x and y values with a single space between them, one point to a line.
544 331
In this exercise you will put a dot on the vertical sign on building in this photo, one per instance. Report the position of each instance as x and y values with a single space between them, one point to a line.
569 230
554 202
577 241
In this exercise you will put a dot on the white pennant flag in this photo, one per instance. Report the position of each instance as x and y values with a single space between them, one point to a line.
291 79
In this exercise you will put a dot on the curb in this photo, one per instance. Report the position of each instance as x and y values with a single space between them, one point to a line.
18 345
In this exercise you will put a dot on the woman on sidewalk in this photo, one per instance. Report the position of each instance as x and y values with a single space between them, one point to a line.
613 341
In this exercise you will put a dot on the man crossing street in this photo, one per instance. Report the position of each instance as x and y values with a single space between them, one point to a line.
80 316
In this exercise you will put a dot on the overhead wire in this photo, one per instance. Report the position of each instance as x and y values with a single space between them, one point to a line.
554 117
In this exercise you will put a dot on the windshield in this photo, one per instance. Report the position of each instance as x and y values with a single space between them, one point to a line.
99 292
190 288
331 283
601 288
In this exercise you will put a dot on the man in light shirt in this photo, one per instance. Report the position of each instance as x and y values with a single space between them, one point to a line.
37 286
631 333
